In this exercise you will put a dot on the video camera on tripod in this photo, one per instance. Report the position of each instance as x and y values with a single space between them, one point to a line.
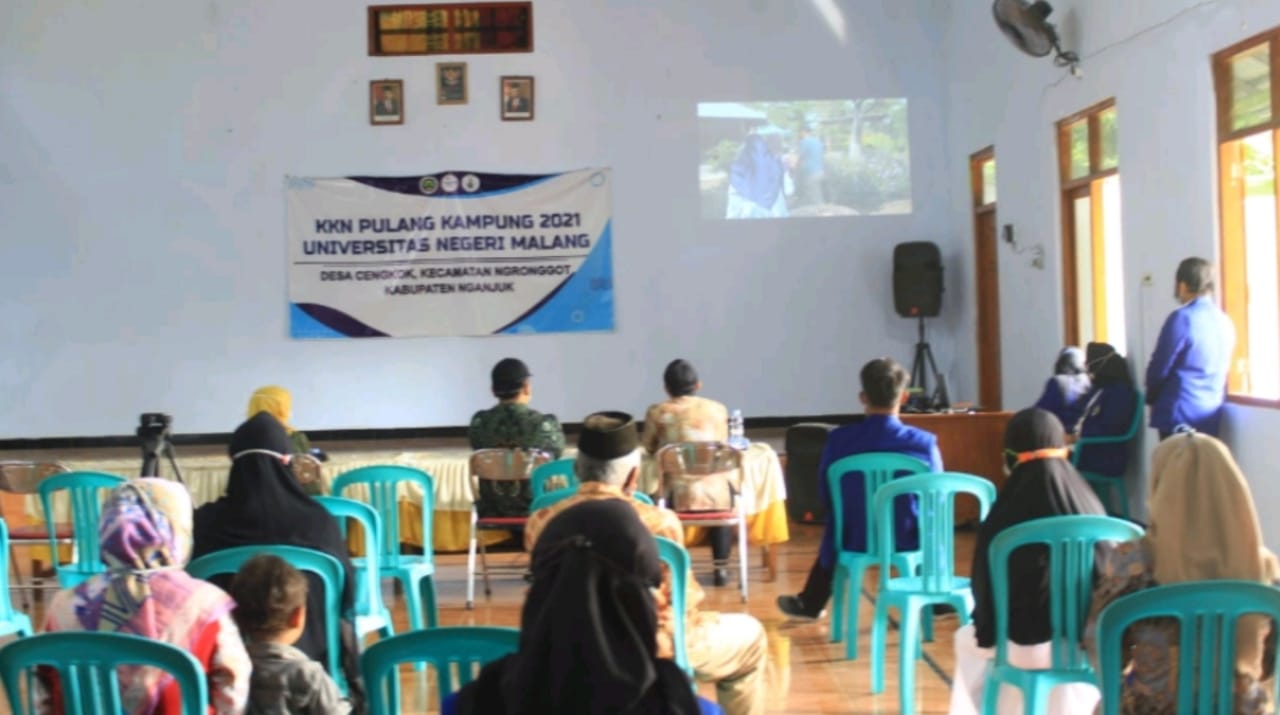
153 433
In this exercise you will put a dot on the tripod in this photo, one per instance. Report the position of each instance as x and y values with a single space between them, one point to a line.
922 367
153 447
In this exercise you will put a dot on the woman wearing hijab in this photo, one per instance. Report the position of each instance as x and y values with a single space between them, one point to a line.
586 636
1042 483
277 402
265 505
1065 393
145 536
756 179
1108 411
1204 527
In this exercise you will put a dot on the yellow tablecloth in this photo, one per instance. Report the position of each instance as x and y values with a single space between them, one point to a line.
763 489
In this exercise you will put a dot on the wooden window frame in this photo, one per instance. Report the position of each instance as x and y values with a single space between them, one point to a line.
1233 289
1072 189
375 33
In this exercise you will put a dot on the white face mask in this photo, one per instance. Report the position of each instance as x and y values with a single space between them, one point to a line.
284 458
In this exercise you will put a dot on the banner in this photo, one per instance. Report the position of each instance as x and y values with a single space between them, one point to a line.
456 253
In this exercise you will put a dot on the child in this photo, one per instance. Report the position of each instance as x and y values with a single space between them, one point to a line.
271 609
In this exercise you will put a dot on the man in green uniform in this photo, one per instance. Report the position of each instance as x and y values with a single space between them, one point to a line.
512 424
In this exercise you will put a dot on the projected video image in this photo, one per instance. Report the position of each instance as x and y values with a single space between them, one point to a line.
804 158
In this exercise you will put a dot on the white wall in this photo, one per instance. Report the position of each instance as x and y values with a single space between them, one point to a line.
1153 56
142 217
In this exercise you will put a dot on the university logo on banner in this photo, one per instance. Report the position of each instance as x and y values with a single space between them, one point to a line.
454 253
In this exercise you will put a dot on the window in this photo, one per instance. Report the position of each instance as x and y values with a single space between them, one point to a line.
453 29
1093 262
1247 80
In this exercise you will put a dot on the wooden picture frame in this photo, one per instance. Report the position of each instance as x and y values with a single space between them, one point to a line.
515 98
386 102
451 83
465 28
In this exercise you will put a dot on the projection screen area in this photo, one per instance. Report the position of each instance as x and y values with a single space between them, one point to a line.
804 158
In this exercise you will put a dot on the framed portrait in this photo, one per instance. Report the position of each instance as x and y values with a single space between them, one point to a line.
451 83
386 101
517 98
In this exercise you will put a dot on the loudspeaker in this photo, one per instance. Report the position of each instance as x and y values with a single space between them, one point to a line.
804 453
917 279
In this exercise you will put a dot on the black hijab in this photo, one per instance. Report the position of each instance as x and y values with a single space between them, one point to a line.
1039 486
265 504
1107 366
587 636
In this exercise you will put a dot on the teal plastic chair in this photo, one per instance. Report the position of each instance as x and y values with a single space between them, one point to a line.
559 470
467 647
878 469
1207 612
936 582
415 572
1111 490
86 664
642 498
372 614
84 490
12 621
326 567
677 560
1070 542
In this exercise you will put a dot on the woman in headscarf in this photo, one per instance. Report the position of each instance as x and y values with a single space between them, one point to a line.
1204 527
277 402
1108 412
586 635
756 180
1041 483
265 505
145 536
1064 394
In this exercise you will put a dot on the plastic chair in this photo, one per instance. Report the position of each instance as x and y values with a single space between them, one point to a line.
677 560
642 498
699 460
24 478
329 569
545 476
372 614
1111 490
466 646
1207 613
86 511
1070 543
937 581
878 469
86 664
11 621
496 465
415 572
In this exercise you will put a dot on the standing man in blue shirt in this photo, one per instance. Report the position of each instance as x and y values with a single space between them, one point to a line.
1187 375
811 167
884 389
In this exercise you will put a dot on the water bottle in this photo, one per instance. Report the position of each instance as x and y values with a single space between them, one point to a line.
737 436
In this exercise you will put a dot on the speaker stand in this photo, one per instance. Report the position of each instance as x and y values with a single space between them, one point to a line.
923 366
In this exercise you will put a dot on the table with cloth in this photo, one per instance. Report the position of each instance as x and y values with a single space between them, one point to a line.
763 489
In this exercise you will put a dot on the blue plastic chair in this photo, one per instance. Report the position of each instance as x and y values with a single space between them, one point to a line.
878 469
1070 543
642 498
677 560
372 614
1111 490
86 664
329 569
11 620
467 647
1207 612
559 470
415 572
84 492
937 581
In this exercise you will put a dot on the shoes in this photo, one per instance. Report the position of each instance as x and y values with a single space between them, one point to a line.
793 607
721 577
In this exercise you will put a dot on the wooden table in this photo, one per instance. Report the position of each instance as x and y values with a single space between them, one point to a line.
970 442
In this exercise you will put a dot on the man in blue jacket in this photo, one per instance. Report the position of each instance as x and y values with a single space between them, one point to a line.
884 389
1187 375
